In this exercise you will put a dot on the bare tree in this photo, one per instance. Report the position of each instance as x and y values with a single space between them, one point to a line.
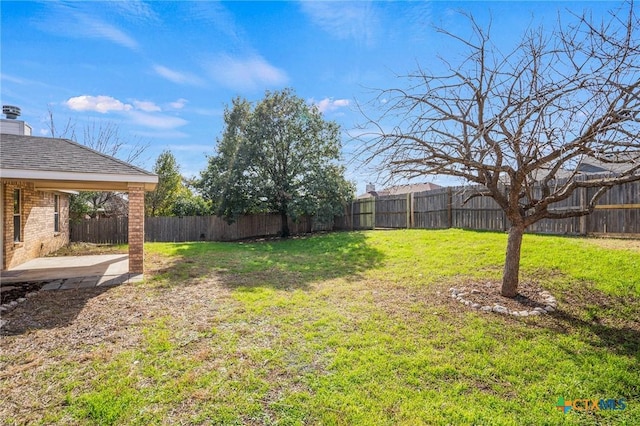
103 137
517 122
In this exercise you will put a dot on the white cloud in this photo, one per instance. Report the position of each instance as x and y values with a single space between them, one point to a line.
79 20
101 104
27 82
100 29
142 113
327 104
179 104
146 106
156 121
217 16
16 80
177 76
353 20
245 74
134 10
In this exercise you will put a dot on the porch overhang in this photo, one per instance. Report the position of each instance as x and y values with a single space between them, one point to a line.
134 185
74 181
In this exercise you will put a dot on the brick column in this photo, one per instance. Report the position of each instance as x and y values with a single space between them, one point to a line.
136 229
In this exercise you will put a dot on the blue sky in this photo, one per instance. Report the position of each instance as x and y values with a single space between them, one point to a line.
163 71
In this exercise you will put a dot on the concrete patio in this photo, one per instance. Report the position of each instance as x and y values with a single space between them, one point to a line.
70 272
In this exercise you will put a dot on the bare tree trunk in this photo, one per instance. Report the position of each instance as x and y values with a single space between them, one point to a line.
512 261
285 225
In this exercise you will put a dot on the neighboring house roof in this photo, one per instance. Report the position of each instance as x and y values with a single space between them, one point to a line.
609 163
615 163
401 189
51 159
414 187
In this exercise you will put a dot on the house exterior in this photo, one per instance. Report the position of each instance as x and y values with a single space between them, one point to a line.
615 164
398 190
37 174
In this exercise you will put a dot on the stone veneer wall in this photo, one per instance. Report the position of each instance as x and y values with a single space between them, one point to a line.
38 236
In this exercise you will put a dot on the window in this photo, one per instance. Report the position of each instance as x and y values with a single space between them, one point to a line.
56 213
17 217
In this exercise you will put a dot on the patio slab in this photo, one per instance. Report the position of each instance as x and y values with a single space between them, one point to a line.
56 268
63 273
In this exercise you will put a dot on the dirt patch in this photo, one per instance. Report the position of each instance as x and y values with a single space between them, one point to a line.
581 306
87 249
615 244
11 292
77 327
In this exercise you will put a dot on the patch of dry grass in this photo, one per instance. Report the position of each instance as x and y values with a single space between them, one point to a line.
615 243
86 249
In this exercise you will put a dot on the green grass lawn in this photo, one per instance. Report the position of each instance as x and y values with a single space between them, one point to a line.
342 329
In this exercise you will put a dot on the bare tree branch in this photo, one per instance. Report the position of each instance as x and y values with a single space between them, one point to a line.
522 123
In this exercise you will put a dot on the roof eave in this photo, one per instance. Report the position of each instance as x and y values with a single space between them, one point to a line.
55 180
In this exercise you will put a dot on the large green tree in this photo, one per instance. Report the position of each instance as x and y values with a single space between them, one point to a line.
224 182
160 202
281 156
190 202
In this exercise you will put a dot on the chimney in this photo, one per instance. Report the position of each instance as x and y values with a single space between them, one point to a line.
11 125
12 112
370 187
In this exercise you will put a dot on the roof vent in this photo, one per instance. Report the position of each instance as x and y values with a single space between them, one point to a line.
12 112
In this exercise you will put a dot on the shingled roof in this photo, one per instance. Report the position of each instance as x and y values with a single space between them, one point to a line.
615 163
41 158
401 189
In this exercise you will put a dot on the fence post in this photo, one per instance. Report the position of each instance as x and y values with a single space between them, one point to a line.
449 207
373 213
583 205
409 210
352 224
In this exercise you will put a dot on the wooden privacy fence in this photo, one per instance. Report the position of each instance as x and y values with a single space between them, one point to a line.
190 228
113 230
617 212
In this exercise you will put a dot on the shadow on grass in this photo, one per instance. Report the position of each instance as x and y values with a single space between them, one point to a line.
49 310
281 264
619 333
57 308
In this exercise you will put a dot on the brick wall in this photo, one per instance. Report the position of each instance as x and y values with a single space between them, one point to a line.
136 229
37 236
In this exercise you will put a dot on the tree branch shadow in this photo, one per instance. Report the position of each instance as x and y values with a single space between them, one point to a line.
619 335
